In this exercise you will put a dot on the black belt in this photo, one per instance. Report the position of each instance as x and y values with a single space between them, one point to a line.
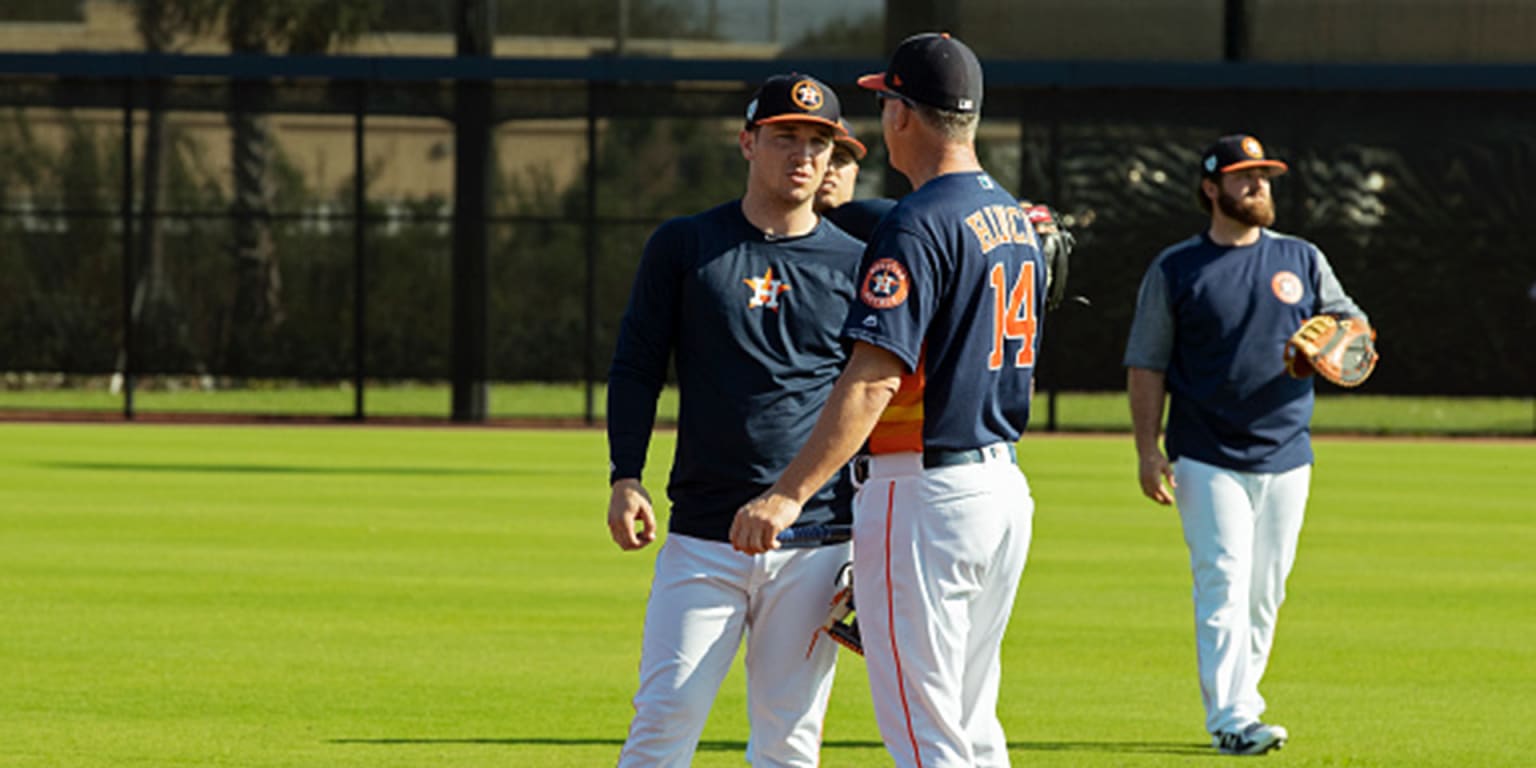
936 458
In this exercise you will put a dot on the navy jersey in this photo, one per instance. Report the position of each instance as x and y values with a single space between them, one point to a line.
860 217
753 322
950 284
1215 319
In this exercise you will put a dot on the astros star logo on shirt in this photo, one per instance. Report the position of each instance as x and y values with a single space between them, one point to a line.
765 290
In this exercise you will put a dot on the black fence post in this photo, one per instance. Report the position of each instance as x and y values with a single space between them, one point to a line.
359 254
125 209
904 18
1532 358
471 208
1053 155
589 337
1235 30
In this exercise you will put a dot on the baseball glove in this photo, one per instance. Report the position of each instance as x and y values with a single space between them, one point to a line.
1341 350
1056 244
842 625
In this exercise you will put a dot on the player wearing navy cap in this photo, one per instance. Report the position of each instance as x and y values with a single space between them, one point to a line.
748 298
1212 320
944 335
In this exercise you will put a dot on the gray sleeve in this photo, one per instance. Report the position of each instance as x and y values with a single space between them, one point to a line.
1151 343
1331 298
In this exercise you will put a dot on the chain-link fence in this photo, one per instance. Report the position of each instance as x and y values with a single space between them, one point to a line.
211 222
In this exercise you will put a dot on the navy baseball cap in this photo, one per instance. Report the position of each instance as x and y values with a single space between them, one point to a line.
932 68
791 97
1234 153
848 141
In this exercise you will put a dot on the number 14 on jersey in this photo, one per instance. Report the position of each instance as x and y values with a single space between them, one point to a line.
1013 315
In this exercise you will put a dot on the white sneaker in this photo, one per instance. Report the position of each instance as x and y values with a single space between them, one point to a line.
1254 739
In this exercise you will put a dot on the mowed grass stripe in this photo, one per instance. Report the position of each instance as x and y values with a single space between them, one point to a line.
260 596
1337 411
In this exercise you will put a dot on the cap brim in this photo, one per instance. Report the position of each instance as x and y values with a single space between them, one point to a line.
800 119
853 145
1276 164
875 82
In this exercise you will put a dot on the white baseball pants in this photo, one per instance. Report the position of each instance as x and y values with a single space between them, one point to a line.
940 554
1241 529
705 597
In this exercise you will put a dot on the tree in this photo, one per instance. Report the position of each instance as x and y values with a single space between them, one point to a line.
156 311
252 27
260 27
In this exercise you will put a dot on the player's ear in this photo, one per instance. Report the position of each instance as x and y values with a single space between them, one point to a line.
748 141
904 114
1207 193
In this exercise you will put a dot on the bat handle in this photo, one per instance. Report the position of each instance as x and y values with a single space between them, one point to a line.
815 535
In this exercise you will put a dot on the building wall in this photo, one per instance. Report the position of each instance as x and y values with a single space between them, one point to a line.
1438 31
1093 29
1279 30
413 157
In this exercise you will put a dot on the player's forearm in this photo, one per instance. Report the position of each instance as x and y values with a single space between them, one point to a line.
844 424
631 417
857 400
1147 390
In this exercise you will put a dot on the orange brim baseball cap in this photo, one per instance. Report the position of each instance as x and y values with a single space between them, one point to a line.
1235 153
933 69
846 139
794 97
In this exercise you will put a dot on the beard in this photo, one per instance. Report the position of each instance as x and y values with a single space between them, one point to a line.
1255 212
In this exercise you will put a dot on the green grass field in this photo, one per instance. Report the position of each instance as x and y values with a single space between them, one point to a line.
260 596
1337 411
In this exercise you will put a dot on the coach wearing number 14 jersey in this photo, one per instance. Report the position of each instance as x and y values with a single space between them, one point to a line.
944 332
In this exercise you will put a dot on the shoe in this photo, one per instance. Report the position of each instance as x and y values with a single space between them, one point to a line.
1254 739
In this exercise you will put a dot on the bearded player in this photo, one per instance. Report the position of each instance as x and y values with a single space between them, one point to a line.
1212 319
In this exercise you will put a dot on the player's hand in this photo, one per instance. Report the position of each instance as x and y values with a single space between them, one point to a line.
631 522
1157 477
760 521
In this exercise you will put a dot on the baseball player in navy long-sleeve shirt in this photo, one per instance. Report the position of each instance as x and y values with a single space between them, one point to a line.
1212 320
944 333
748 298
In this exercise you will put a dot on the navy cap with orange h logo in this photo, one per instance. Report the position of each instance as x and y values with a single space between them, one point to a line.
794 97
1234 153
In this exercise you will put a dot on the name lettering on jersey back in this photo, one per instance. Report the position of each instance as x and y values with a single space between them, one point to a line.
997 225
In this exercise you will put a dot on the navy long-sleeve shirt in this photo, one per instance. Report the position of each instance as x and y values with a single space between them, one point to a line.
753 322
